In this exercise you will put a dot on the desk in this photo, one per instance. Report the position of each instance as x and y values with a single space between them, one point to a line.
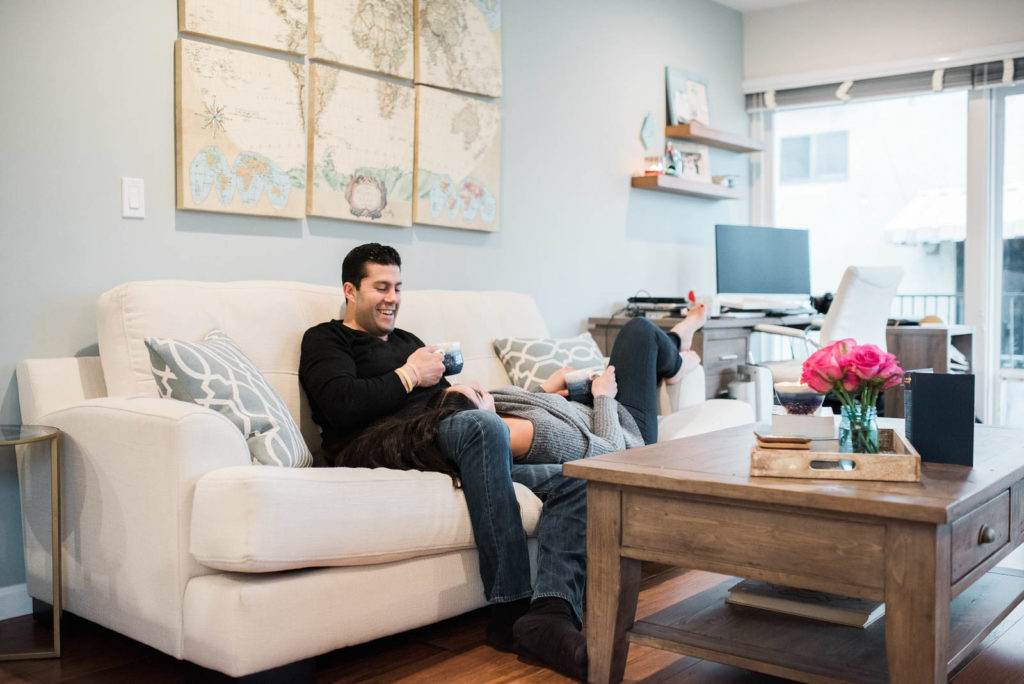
692 502
918 347
723 344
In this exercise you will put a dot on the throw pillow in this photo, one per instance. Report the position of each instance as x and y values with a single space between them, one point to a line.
531 361
217 374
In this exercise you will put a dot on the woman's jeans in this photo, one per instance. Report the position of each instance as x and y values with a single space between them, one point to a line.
478 442
643 354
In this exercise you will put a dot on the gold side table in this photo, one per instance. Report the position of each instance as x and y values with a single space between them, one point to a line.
14 435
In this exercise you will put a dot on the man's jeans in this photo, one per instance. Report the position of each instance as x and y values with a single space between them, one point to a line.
478 442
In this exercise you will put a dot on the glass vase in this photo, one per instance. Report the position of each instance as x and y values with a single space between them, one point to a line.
858 430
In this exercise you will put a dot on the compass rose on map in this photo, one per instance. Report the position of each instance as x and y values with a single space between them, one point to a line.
213 117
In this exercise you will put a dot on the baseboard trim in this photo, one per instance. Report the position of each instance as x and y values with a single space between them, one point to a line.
14 601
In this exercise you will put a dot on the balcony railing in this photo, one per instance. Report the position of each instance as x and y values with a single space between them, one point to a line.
949 308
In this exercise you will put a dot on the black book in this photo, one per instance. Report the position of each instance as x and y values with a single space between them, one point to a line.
939 410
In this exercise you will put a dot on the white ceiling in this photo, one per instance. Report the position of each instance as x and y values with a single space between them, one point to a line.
755 5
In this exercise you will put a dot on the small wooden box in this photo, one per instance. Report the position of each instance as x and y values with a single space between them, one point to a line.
897 461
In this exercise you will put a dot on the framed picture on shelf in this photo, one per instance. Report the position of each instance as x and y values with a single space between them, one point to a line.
686 97
693 161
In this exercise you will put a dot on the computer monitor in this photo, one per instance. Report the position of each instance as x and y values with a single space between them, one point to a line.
762 268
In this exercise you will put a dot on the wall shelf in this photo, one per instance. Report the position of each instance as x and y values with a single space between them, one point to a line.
682 186
700 133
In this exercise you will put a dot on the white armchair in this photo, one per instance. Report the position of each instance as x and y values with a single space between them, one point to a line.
860 310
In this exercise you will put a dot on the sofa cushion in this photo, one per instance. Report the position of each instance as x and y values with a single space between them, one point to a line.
531 361
217 374
248 519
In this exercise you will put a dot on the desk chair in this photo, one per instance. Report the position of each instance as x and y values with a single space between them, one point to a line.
860 310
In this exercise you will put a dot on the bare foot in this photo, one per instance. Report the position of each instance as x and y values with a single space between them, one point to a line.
694 321
690 361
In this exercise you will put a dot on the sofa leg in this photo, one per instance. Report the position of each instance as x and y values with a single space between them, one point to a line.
297 672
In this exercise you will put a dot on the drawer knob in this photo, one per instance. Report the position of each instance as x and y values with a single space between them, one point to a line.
986 535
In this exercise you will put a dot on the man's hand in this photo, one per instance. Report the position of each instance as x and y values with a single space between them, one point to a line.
555 384
604 384
427 366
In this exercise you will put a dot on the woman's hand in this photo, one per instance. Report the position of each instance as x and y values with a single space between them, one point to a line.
556 383
604 384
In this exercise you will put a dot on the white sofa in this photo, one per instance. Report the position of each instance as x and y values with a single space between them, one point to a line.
172 537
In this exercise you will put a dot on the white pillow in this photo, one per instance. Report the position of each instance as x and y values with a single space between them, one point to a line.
217 374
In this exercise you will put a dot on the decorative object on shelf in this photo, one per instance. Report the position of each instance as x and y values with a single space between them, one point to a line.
360 147
857 374
647 132
693 160
673 161
687 97
240 132
728 181
458 160
275 25
654 165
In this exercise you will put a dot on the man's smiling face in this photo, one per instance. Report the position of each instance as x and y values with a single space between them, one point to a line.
373 305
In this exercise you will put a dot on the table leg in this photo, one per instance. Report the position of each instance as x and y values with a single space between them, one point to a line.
917 567
612 585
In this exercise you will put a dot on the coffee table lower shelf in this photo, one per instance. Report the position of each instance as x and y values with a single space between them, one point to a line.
705 626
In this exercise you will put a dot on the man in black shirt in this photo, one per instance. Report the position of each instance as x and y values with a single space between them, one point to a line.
362 368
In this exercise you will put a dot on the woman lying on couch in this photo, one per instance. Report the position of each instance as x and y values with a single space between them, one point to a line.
544 426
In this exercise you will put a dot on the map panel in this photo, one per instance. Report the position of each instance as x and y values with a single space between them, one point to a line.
458 152
276 24
375 35
459 45
361 147
240 132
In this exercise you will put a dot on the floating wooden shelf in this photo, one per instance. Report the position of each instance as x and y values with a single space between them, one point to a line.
681 186
700 133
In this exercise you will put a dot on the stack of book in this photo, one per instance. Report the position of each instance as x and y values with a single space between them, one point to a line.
816 605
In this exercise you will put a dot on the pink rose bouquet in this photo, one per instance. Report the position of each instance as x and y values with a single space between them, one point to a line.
856 373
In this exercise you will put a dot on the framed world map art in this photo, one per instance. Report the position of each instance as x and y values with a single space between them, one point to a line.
458 160
275 24
458 45
361 147
240 138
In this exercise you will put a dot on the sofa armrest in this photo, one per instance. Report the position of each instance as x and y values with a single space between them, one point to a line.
689 392
128 470
708 416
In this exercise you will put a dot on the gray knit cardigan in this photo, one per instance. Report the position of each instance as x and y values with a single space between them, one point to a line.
565 430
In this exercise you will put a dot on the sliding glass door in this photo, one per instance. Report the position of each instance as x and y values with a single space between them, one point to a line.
881 182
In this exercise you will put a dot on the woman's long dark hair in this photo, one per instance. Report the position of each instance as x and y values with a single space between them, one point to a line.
407 443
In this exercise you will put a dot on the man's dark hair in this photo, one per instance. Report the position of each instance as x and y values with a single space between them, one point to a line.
353 268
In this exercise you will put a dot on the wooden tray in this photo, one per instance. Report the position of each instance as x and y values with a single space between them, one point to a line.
897 461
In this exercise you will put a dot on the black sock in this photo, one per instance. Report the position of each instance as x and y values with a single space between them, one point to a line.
551 633
501 619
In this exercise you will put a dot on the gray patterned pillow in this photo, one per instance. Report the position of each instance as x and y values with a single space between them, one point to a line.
531 361
217 374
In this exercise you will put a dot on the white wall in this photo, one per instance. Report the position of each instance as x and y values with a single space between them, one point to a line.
88 97
792 44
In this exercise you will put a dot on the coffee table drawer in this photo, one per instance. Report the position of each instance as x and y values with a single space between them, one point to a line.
823 552
979 534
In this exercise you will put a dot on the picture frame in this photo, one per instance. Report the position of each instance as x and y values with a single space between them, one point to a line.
694 160
686 97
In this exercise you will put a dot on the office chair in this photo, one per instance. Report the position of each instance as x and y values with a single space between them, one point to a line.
860 310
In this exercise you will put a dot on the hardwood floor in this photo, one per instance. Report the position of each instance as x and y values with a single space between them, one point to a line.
454 651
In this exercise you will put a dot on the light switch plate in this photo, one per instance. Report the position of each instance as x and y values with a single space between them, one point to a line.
133 198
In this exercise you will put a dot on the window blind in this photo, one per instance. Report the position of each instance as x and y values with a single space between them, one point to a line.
984 75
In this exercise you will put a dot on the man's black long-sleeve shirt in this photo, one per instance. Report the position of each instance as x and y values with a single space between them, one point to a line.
349 378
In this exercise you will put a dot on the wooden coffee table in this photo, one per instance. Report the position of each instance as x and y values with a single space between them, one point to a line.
927 549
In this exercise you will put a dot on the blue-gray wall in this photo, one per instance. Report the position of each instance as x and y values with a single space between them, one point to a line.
88 97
